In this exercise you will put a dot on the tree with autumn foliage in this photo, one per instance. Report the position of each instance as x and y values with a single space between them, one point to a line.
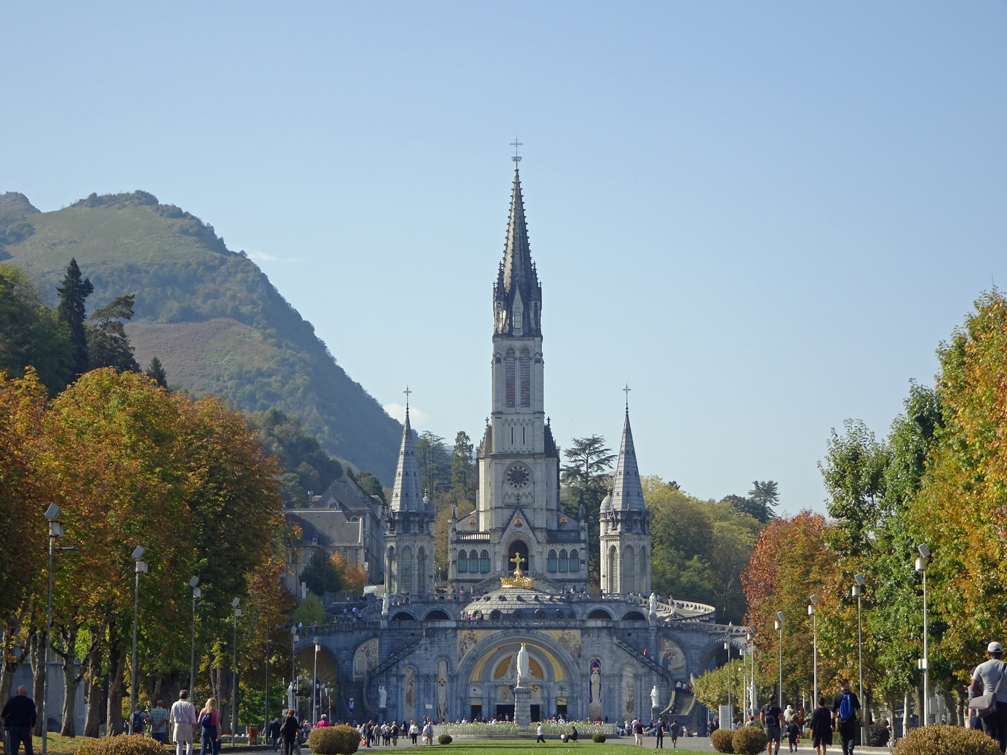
789 564
352 577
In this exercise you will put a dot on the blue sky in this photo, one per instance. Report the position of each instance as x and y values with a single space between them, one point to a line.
763 217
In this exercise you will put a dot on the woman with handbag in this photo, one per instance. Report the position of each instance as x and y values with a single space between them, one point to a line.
990 702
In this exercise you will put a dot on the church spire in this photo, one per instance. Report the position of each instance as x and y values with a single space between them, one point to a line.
627 491
517 304
406 493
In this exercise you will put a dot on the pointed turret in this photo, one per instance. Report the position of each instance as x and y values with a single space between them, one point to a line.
627 491
517 295
406 493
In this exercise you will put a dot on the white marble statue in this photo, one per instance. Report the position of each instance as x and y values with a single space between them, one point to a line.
383 696
523 674
654 697
386 603
653 604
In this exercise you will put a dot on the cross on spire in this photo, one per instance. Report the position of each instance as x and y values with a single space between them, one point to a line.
517 561
407 392
626 390
515 144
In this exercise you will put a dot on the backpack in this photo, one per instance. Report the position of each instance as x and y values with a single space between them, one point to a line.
137 721
846 706
206 721
768 718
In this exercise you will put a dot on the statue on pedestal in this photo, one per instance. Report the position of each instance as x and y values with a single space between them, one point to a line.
522 665
653 604
386 602
383 697
654 698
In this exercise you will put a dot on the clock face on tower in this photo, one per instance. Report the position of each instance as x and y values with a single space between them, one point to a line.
518 476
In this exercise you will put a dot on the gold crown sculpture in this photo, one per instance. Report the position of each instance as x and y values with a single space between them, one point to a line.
518 580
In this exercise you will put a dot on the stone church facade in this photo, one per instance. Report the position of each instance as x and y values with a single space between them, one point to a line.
518 573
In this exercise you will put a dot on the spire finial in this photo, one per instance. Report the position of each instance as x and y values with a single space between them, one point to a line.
407 392
626 390
515 144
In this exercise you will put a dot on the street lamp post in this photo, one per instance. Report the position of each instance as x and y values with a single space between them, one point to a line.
141 568
234 672
752 698
860 648
196 595
314 685
779 626
266 719
727 647
55 532
293 668
812 602
921 566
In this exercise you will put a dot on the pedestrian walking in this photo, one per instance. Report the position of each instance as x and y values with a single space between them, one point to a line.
990 678
821 727
158 722
539 734
183 716
659 736
637 732
675 730
290 730
209 718
19 718
414 731
428 733
845 710
139 718
275 728
770 715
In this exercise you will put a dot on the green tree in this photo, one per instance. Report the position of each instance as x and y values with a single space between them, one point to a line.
156 372
435 463
463 467
764 497
31 334
586 480
73 309
320 574
304 465
107 344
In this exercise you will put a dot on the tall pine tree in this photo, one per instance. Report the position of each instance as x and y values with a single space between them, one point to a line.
72 306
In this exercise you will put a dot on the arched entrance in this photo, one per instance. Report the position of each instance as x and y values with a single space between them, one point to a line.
312 688
488 672
519 547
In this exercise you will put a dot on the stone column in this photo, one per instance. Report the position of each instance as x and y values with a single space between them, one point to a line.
522 707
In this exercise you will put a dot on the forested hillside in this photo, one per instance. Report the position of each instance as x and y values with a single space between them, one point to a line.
209 315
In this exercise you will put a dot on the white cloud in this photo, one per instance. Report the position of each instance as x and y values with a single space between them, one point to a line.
267 257
398 411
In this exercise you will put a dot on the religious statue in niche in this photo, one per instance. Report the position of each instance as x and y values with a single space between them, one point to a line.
594 690
442 690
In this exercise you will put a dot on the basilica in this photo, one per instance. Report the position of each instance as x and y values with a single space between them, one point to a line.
518 573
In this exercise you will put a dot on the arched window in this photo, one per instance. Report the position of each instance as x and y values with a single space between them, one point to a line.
509 379
473 562
629 570
574 561
613 570
421 570
562 561
525 365
550 562
406 569
391 570
463 562
484 562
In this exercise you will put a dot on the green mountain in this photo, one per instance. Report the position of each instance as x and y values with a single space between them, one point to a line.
209 314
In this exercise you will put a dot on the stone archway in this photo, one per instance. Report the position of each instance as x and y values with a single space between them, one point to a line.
486 670
327 675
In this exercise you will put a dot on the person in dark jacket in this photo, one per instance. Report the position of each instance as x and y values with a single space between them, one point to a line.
274 733
19 718
290 729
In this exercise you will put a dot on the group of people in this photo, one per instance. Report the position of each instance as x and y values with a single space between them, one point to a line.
657 729
293 733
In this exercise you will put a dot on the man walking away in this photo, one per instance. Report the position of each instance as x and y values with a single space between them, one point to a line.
428 733
769 715
659 734
675 731
183 716
985 681
19 718
274 732
845 708
158 722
